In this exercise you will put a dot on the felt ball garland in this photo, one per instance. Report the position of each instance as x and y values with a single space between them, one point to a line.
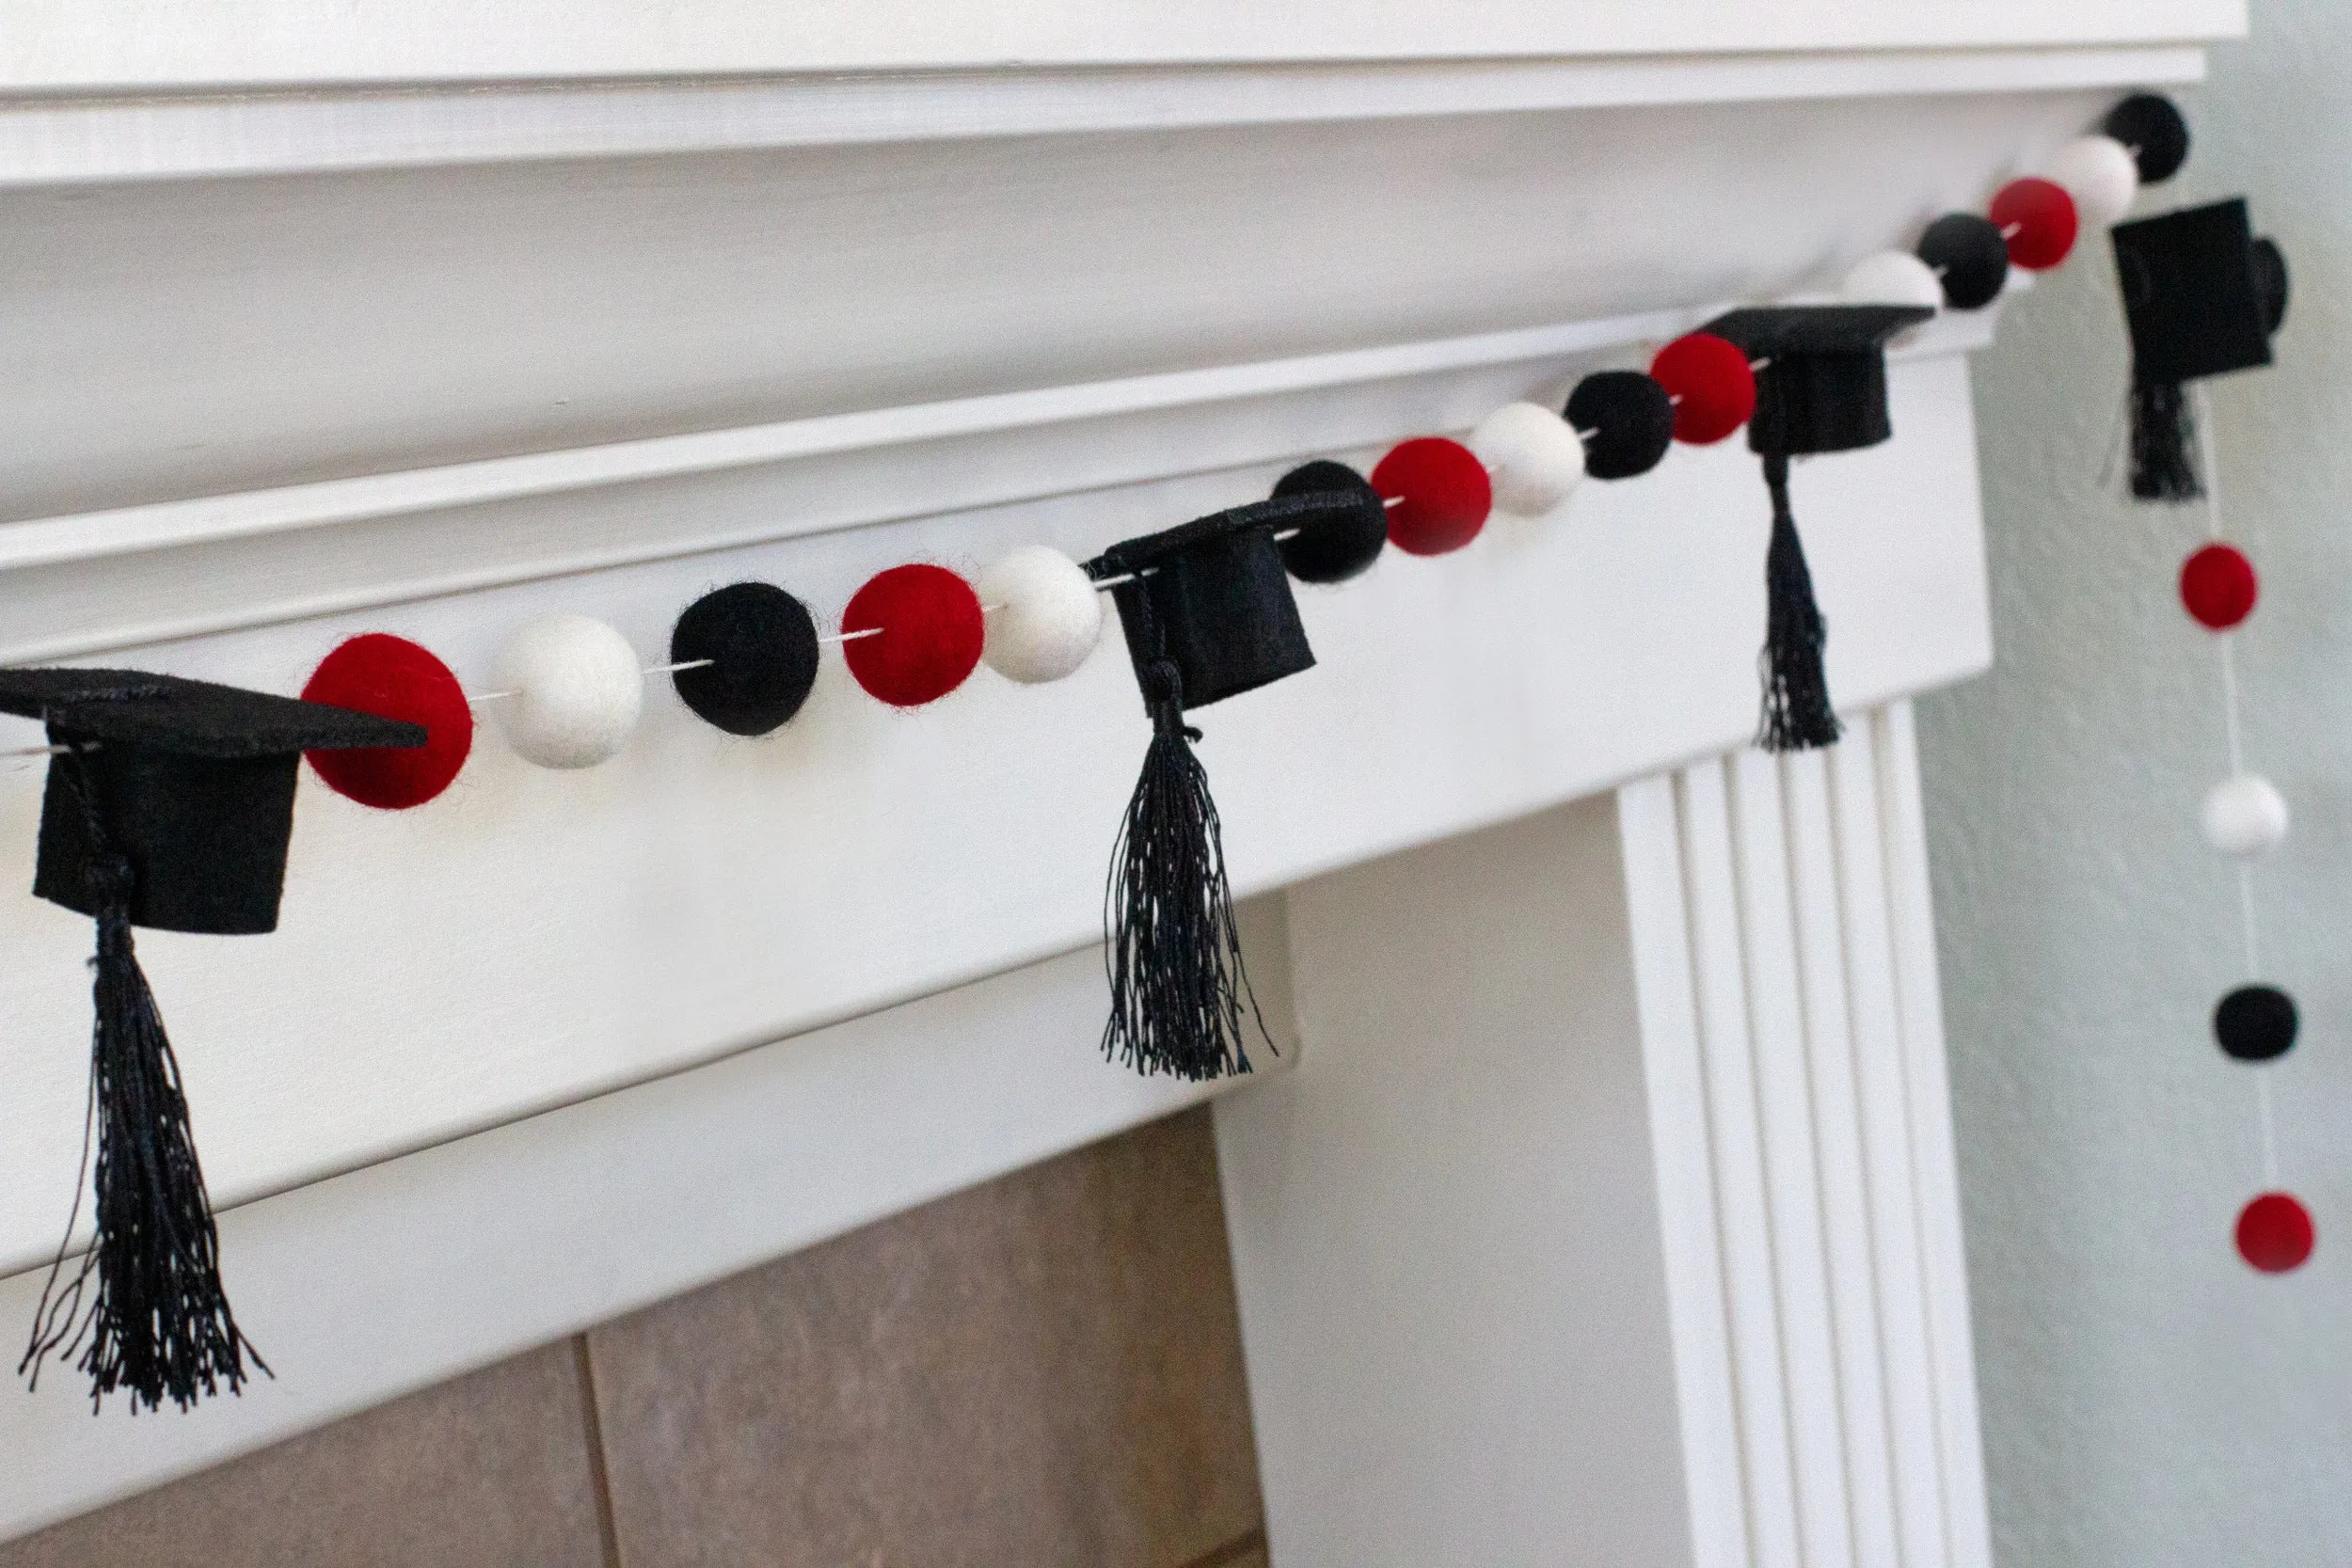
2218 587
913 634
1207 614
2275 1233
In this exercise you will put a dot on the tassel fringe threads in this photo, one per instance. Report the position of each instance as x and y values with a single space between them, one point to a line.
2164 437
145 1311
1797 713
1181 1002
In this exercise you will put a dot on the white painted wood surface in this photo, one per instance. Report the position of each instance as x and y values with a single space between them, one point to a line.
52 44
1586 1228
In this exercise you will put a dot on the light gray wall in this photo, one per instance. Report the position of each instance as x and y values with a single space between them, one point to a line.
2148 1399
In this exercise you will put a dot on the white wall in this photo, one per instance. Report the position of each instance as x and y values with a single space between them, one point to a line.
2148 1399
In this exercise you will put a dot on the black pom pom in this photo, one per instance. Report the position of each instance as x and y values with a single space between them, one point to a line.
2151 128
2164 435
2255 1023
1797 712
761 645
1625 421
1336 547
1971 257
2270 283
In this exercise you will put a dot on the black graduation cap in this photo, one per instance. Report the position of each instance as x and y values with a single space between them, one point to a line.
192 784
1208 614
1821 388
171 805
2202 297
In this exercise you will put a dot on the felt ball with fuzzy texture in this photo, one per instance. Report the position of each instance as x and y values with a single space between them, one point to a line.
1626 422
2151 127
2256 1023
1441 492
2243 817
2218 587
2275 1233
1712 386
750 652
927 634
1044 614
1971 257
574 688
2037 219
1532 456
392 678
1338 545
1892 277
2098 172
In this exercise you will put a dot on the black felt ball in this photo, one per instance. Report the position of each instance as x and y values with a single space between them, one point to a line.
1970 255
2255 1023
1627 422
2151 130
761 644
1335 548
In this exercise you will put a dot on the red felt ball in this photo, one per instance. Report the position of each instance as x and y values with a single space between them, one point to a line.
1441 495
392 678
2219 586
2037 218
1712 386
2275 1233
928 634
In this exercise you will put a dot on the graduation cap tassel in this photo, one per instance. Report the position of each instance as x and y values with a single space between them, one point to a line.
1181 1002
1797 713
2164 435
158 1323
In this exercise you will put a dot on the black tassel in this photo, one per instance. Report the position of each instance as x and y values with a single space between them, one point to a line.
1797 715
1181 1002
157 1323
2164 435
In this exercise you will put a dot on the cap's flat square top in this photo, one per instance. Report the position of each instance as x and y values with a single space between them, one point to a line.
2190 293
191 718
1793 331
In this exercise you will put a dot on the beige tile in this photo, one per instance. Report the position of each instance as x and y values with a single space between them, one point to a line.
1043 1370
491 1469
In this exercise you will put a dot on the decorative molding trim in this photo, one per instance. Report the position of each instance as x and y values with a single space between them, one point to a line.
112 136
349 543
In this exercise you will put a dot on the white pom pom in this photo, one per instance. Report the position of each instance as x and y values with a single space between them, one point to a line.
2243 816
1044 615
1892 277
2100 174
1532 456
576 689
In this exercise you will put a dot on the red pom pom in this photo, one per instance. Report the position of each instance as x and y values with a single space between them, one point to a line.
1441 492
2037 218
2218 587
393 679
930 637
2275 1233
1712 386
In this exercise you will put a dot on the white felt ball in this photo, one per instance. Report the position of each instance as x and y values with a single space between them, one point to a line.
1892 277
576 690
2100 174
1531 455
1044 615
2243 816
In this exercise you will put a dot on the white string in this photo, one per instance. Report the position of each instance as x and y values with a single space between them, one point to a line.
2248 923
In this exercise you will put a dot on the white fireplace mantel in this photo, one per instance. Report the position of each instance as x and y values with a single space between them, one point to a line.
389 323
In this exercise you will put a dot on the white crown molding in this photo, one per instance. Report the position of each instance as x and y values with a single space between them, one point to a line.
100 136
137 574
